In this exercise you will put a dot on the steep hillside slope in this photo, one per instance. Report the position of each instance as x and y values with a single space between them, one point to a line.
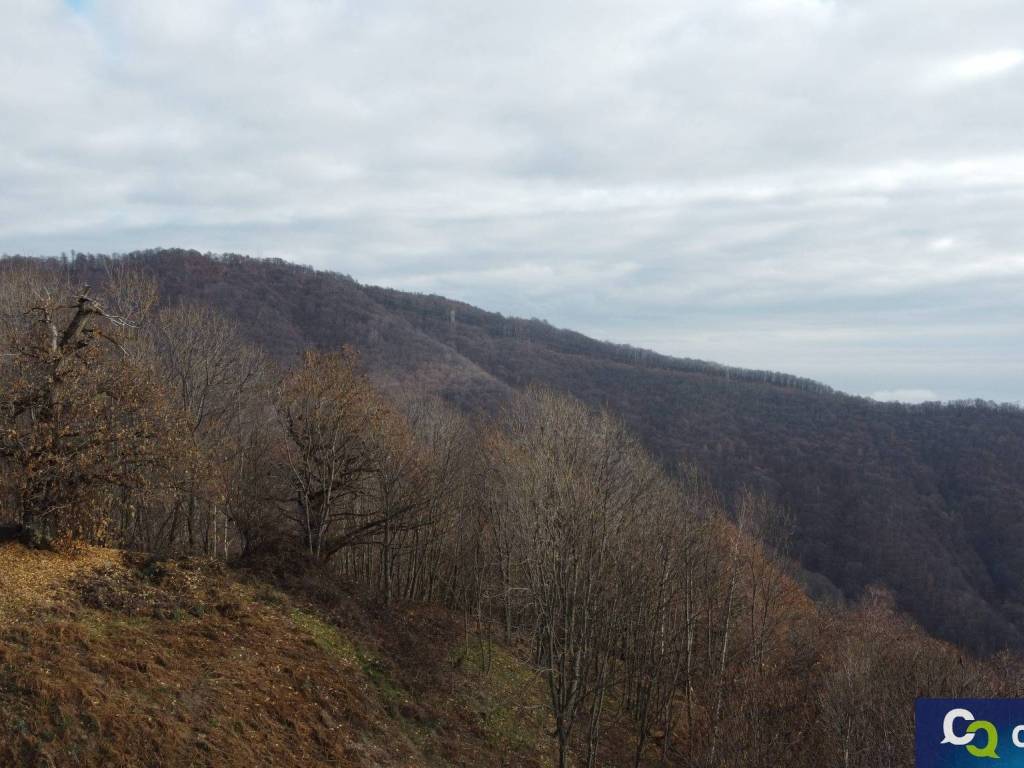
927 500
107 660
285 308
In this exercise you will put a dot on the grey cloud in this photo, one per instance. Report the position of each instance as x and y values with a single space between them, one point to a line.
828 187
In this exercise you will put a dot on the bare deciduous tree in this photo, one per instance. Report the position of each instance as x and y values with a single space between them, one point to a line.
87 430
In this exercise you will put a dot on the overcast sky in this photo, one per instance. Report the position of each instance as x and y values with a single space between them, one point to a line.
833 188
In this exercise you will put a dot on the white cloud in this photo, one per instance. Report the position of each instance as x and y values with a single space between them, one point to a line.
986 65
689 171
906 396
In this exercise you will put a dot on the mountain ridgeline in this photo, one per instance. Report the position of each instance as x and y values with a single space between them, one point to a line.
925 500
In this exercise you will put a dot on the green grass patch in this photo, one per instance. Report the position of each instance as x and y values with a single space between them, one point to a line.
326 637
100 624
509 695
331 641
391 694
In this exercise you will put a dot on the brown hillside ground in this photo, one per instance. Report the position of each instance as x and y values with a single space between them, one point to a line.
108 659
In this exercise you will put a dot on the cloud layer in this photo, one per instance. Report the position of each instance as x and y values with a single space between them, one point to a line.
828 187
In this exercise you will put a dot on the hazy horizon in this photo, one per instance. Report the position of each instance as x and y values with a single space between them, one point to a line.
829 188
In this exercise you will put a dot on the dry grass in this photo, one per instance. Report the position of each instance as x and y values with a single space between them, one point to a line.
108 660
32 580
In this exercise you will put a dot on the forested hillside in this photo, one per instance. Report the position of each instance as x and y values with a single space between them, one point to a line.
927 500
322 566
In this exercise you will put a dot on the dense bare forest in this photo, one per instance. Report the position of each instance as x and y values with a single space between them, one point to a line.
866 483
657 600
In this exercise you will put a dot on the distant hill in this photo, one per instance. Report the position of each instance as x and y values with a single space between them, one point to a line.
926 500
